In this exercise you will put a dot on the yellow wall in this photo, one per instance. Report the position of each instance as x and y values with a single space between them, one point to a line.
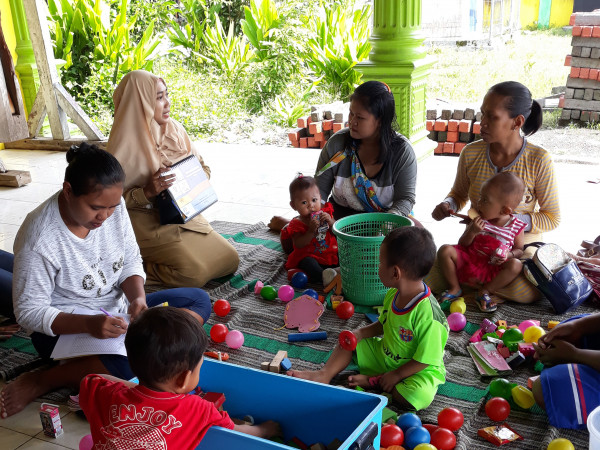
530 10
560 13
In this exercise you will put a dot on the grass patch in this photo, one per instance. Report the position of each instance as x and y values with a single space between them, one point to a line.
464 74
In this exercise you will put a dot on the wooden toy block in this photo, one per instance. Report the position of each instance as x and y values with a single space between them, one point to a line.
501 323
526 349
552 324
530 381
276 363
286 364
335 444
476 336
335 283
265 365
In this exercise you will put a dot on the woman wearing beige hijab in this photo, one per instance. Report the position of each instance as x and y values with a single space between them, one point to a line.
146 141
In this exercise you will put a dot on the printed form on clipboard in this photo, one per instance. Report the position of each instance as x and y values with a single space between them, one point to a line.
191 193
84 344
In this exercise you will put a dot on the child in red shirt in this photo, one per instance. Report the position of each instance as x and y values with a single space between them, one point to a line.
315 247
165 348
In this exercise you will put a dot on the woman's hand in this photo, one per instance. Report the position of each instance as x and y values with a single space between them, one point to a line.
161 179
559 352
104 327
8 330
136 307
441 211
568 331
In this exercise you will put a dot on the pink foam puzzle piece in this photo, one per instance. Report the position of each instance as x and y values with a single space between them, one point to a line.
303 312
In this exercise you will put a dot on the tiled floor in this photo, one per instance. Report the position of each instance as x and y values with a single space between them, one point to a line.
252 184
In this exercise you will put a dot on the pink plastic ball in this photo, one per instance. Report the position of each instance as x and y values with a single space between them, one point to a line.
457 321
285 293
258 286
234 339
86 442
526 324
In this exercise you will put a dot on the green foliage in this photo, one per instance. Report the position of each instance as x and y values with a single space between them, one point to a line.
260 27
92 49
339 42
227 52
288 111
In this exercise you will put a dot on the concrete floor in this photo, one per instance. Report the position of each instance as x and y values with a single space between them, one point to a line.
252 185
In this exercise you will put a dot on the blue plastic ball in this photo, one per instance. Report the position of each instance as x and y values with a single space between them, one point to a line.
415 436
312 293
299 280
408 420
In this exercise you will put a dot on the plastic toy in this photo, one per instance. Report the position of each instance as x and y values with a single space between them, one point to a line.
561 444
258 286
286 364
457 321
285 293
275 364
497 409
445 305
222 307
450 418
311 293
391 447
443 439
336 284
499 434
430 427
503 350
234 339
301 337
268 292
299 280
86 442
526 324
502 323
476 337
523 397
488 326
512 336
303 312
345 310
408 420
415 436
526 349
552 324
391 435
501 387
291 272
335 301
458 306
424 447
348 340
217 355
515 360
532 334
218 332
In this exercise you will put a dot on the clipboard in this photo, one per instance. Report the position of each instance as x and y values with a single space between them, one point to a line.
191 193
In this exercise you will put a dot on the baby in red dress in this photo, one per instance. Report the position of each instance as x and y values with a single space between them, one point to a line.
488 252
315 246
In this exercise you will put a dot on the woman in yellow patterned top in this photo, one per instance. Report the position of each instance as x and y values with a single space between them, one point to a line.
509 116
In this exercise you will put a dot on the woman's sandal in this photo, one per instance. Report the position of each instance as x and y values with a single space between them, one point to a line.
450 297
488 304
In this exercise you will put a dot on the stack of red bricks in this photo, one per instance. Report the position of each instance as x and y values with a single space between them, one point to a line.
314 130
453 129
581 101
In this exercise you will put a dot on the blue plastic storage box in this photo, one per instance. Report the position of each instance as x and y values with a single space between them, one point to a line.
312 412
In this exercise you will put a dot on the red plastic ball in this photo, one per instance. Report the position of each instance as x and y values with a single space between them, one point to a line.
497 409
348 340
391 435
345 310
430 427
443 439
222 307
450 418
218 332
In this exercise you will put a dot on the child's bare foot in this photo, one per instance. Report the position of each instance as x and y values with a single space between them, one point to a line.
312 375
359 380
17 395
277 223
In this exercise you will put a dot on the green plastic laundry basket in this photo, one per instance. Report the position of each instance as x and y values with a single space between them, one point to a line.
359 237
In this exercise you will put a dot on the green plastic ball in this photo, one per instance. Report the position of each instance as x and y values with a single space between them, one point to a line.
501 387
512 336
268 293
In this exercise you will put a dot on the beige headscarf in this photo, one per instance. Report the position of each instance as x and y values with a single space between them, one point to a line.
140 144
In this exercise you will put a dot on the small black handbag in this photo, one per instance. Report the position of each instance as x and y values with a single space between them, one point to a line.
557 276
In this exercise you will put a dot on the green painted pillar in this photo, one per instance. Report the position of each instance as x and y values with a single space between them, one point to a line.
398 58
25 65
